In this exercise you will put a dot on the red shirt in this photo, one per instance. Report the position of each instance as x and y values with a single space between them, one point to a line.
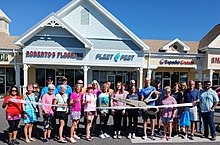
13 108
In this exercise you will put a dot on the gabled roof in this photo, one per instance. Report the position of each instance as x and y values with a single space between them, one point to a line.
4 16
208 38
108 15
166 47
53 21
156 45
6 41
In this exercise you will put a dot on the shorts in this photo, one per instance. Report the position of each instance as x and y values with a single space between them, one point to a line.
146 115
75 115
61 115
167 119
192 113
89 113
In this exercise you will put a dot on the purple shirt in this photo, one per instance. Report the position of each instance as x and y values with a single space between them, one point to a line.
118 103
77 105
167 112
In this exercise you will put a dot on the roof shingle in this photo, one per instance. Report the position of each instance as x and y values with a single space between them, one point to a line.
6 41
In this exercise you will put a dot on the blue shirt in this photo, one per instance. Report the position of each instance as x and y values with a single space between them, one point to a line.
145 92
68 90
45 90
207 99
190 96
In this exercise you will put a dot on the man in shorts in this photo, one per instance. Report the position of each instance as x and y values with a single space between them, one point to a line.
191 95
145 92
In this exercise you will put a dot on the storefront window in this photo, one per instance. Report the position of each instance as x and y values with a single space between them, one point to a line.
175 78
2 71
40 77
79 75
166 75
50 73
183 77
95 75
215 79
158 76
10 77
70 74
21 77
103 77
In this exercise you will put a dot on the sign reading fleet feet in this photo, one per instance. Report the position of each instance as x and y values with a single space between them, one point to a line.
175 62
116 57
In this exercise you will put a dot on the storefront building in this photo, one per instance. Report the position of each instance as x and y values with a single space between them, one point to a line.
82 41
173 61
210 46
10 57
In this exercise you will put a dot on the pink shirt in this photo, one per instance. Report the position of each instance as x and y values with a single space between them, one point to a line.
167 112
77 105
118 103
47 99
90 106
97 92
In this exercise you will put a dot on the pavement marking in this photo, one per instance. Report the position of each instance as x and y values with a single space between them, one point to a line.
174 140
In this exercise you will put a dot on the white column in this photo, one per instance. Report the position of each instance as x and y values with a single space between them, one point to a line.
17 75
211 71
149 72
200 73
25 69
141 77
85 69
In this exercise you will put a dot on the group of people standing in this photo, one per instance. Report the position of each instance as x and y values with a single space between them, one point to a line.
60 102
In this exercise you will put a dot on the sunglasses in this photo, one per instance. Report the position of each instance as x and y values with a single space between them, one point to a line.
51 89
208 84
14 90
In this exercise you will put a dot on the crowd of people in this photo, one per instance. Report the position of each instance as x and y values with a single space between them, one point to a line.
58 103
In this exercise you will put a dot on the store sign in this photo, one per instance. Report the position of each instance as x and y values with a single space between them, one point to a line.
4 57
48 54
215 60
175 62
116 57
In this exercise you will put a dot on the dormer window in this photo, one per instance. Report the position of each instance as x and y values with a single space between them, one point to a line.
85 16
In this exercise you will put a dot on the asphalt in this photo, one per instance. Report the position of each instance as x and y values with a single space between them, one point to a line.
108 141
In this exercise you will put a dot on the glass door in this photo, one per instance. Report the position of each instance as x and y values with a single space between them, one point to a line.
111 78
2 85
166 82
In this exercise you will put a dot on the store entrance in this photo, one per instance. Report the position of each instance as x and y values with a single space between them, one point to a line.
166 82
116 78
2 85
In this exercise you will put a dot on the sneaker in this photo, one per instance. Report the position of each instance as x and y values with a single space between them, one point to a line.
119 136
10 143
114 136
133 136
164 138
191 137
144 137
106 135
76 137
169 138
213 138
15 141
102 136
152 137
45 141
129 136
72 140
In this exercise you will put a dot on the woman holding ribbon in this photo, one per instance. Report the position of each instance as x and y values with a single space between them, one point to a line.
48 112
75 102
30 116
13 114
61 110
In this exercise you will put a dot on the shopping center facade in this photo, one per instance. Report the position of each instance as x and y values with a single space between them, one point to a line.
84 41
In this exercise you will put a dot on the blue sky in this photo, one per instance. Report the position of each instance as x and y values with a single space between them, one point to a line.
188 20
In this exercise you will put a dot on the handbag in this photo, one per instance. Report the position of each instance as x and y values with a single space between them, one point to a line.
184 119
